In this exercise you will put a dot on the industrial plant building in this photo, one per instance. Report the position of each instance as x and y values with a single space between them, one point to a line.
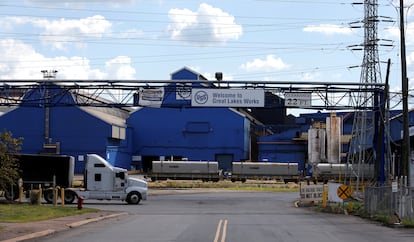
164 126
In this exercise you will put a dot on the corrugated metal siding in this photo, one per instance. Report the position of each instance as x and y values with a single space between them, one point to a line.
78 131
27 123
163 132
282 148
111 118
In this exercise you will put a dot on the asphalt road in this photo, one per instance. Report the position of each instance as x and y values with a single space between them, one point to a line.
227 216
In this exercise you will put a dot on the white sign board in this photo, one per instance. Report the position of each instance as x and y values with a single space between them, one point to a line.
298 99
394 186
183 91
311 192
208 97
332 192
151 97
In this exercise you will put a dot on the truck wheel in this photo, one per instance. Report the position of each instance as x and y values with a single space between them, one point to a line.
48 196
133 197
69 196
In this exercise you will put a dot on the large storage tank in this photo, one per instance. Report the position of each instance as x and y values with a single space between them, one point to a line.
333 134
316 144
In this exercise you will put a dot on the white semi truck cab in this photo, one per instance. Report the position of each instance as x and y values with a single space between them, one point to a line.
103 181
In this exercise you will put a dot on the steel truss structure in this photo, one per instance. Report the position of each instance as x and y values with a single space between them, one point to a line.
365 130
122 93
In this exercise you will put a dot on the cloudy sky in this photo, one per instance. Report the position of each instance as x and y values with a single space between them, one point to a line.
274 40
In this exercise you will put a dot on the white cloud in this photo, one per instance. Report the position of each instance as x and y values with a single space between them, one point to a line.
328 29
207 26
76 68
20 61
393 32
62 32
269 64
120 68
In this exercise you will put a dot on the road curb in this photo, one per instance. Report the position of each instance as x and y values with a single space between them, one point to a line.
69 225
86 221
31 236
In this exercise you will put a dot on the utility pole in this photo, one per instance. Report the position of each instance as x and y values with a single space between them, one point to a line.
404 167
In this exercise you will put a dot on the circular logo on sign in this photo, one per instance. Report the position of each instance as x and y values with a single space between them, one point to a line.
201 97
184 92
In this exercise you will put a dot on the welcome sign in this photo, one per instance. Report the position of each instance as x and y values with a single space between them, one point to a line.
208 97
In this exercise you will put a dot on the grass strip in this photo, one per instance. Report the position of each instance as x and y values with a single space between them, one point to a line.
22 213
270 186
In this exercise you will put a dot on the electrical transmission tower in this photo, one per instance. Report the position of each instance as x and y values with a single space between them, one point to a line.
361 149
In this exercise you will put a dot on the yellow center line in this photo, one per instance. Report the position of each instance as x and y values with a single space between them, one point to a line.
218 231
223 237
221 230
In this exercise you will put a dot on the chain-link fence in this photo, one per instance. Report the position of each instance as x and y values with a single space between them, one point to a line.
390 200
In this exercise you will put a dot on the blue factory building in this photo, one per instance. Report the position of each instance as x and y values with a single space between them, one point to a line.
213 134
51 123
175 131
56 126
166 127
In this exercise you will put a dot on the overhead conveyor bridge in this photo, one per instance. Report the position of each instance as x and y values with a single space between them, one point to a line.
122 93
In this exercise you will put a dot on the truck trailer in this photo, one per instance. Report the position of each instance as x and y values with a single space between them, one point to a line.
185 170
101 180
258 170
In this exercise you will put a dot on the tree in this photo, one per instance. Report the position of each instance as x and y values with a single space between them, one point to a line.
9 165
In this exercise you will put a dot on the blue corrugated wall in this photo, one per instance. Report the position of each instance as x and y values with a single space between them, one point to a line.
77 131
193 133
282 148
178 130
